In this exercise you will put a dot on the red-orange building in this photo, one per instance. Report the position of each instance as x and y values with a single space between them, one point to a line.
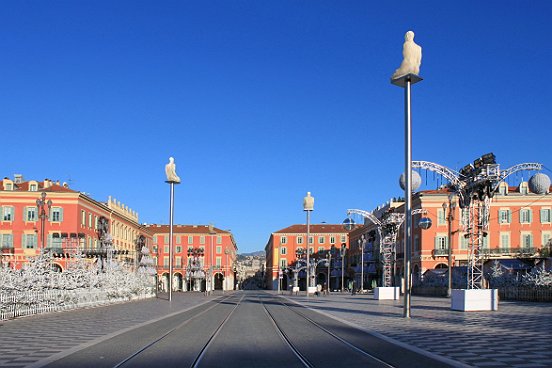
66 223
520 228
204 257
281 254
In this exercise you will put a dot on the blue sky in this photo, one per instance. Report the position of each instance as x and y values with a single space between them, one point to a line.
262 101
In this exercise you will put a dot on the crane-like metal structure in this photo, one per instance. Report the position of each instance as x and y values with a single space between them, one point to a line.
475 185
388 229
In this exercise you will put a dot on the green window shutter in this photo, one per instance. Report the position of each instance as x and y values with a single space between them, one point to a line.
24 213
61 214
1 213
49 241
23 241
509 216
530 216
436 243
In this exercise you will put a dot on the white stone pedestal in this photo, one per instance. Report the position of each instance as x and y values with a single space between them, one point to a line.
387 293
471 300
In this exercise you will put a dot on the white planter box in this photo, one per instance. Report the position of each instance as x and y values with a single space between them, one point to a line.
471 300
387 293
312 289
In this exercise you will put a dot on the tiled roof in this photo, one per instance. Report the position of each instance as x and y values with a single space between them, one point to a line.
188 229
314 228
24 187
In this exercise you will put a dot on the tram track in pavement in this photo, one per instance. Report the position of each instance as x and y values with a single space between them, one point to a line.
246 329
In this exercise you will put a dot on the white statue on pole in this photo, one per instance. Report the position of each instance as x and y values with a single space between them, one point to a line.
412 57
170 171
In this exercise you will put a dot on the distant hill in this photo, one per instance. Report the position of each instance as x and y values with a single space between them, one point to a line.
258 253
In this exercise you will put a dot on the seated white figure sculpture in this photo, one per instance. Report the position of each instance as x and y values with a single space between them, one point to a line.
170 171
412 57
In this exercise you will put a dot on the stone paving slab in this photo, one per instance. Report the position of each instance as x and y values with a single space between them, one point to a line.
518 335
35 340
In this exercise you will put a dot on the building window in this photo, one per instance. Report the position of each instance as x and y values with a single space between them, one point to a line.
343 238
218 262
7 213
545 215
332 239
441 242
525 216
526 240
504 240
546 236
202 239
7 240
311 250
9 186
83 218
283 263
441 217
31 214
503 189
165 261
283 251
56 214
30 241
219 249
178 262
178 239
90 220
311 240
523 189
219 239
504 216
321 250
321 240
165 239
299 240
190 239
464 241
178 249
283 240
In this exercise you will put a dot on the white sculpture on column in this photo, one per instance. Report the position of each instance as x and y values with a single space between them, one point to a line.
170 171
412 57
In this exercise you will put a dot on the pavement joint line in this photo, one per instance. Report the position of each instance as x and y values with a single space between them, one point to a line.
101 339
386 338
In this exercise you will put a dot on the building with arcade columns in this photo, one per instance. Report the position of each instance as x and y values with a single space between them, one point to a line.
204 257
37 216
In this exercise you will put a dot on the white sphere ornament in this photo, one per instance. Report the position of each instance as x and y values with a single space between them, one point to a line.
539 183
416 181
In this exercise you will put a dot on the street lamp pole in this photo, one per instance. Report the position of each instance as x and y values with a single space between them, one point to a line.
342 253
41 205
451 206
362 241
308 206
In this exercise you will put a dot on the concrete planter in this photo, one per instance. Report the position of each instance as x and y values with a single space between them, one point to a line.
387 293
471 300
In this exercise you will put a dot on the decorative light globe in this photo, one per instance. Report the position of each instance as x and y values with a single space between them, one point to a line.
348 224
425 223
539 183
416 181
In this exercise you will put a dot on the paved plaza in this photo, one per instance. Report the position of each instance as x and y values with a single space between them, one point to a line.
517 335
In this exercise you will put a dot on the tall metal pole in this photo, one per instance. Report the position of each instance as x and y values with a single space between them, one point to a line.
278 267
308 206
171 241
362 265
408 197
406 82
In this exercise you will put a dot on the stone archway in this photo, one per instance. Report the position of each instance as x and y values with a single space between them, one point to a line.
219 281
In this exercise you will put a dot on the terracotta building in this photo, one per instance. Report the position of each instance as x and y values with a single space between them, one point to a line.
204 257
47 215
520 232
287 245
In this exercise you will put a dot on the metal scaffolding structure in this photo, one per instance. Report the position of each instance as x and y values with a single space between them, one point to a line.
475 185
388 229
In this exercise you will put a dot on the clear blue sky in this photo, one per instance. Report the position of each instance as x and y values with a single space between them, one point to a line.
262 101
